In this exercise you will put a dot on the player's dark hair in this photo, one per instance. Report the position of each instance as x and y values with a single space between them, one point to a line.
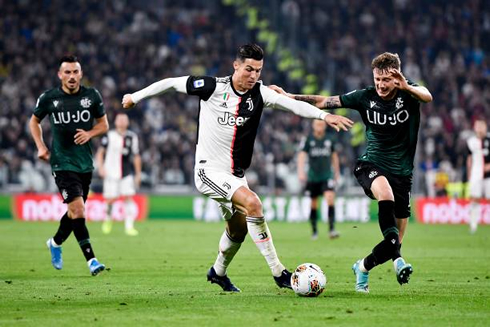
250 50
386 61
68 58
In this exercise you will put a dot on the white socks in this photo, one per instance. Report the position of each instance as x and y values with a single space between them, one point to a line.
129 215
258 230
474 216
226 252
361 266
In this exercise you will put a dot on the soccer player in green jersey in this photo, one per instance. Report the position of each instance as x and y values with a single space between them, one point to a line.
319 149
391 112
72 109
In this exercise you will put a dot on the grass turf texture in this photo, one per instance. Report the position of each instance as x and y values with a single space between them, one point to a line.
159 278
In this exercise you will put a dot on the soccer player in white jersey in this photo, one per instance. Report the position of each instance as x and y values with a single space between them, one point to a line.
478 164
229 116
119 165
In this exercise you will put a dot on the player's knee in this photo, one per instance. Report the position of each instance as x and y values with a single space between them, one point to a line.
385 195
253 205
76 211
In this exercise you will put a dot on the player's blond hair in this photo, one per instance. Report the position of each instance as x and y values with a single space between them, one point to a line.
386 61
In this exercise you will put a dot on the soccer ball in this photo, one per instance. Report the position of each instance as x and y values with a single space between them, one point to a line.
308 280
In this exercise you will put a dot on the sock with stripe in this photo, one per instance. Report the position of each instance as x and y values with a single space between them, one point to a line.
228 247
81 233
389 247
259 231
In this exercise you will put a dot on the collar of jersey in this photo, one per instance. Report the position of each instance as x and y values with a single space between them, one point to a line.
79 91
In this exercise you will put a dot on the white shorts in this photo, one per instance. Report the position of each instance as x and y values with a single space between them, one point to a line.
220 186
114 188
480 188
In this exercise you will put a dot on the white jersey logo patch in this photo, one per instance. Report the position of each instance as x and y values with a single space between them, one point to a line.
372 104
198 83
85 103
55 103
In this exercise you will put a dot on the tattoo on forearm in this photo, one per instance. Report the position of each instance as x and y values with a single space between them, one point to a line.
306 98
331 103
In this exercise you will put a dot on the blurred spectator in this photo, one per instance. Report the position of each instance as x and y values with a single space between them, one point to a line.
442 44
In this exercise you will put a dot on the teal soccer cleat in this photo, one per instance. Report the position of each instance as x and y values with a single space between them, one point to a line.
403 271
56 259
361 278
95 266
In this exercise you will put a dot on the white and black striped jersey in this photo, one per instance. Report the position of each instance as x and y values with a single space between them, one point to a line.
228 119
480 155
119 153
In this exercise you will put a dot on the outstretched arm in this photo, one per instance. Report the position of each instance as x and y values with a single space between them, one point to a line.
168 84
308 111
319 101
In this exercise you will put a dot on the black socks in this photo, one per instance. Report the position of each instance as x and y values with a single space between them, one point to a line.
81 233
64 230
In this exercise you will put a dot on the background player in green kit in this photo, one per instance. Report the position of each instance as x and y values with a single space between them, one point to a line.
319 149
72 109
391 112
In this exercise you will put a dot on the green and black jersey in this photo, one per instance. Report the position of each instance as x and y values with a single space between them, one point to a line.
67 113
391 128
319 152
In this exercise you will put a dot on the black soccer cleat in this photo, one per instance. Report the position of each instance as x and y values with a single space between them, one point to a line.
222 281
284 281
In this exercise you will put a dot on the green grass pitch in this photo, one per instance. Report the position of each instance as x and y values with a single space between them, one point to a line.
159 278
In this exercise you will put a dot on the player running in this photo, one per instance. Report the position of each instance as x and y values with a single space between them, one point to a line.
478 167
229 116
391 112
72 109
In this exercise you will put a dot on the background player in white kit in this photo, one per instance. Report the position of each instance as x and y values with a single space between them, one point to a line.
229 116
478 164
119 164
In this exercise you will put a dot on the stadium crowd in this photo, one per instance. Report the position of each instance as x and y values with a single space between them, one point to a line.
124 45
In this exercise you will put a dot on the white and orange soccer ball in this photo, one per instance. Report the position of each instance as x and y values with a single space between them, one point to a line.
308 280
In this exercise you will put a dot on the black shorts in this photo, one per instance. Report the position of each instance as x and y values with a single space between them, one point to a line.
316 189
367 172
72 184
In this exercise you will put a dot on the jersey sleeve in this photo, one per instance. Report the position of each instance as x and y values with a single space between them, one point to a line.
41 109
352 99
270 97
304 145
202 86
99 110
135 148
472 144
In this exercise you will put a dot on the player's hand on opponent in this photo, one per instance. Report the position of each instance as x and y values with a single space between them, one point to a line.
43 154
399 80
82 136
338 122
127 101
280 90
